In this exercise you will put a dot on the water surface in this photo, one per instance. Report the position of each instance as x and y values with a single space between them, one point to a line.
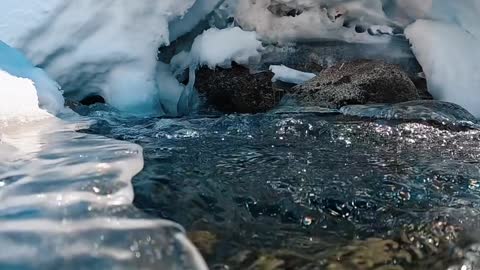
292 191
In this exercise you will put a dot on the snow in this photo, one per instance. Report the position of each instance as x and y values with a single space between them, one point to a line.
289 75
24 87
215 48
219 48
109 47
18 100
317 20
451 65
446 44
103 47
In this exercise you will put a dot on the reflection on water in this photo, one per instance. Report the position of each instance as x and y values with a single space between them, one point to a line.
268 191
65 203
275 190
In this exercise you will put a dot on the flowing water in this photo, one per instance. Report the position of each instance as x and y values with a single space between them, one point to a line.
266 191
66 203
310 191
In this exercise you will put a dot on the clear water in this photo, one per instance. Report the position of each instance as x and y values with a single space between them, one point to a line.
66 203
292 191
266 191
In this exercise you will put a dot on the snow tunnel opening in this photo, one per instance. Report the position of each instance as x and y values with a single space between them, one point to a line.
92 99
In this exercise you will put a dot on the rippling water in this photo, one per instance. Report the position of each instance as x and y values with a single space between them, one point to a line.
309 185
267 191
66 203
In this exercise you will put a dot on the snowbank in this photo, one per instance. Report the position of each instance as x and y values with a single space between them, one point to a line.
451 62
24 87
103 47
18 100
446 44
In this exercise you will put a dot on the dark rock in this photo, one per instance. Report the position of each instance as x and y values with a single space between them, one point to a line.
73 104
316 56
237 90
322 111
358 82
422 86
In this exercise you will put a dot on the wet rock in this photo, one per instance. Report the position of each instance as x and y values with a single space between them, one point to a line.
425 246
87 101
358 82
316 56
422 87
73 104
370 254
305 110
271 260
205 241
236 90
422 110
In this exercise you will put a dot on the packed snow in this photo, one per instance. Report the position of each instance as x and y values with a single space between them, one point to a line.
18 100
25 88
219 48
445 41
289 75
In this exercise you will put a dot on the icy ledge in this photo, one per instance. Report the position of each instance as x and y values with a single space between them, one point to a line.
24 86
446 44
66 197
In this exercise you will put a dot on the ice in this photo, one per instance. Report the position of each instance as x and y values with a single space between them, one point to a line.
66 203
18 100
289 75
103 47
22 96
446 45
